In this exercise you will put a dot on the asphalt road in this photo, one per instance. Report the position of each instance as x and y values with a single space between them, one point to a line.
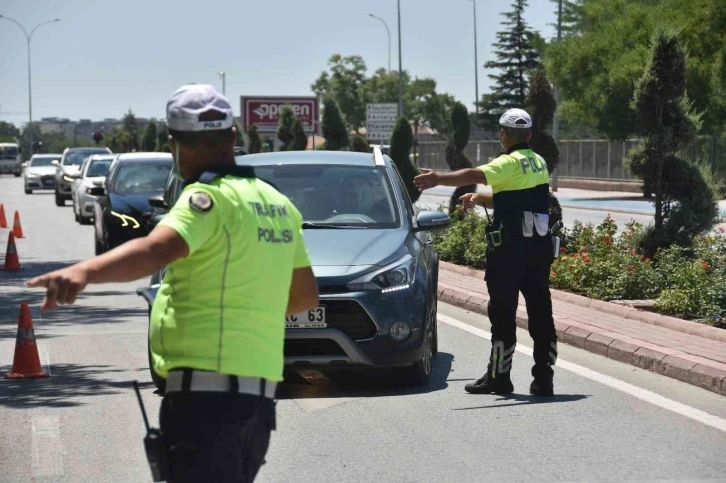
609 422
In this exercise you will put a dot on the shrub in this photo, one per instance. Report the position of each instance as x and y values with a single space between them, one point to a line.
254 140
360 145
285 127
300 139
334 130
464 242
401 143
455 156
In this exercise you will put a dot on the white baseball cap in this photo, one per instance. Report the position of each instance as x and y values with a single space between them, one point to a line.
185 105
516 118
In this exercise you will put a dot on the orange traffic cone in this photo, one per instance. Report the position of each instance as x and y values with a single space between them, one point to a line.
11 255
3 221
26 364
17 229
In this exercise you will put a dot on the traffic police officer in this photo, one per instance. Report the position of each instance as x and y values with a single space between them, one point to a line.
236 266
519 252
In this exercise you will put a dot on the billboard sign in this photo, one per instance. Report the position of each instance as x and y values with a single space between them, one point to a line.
380 121
263 111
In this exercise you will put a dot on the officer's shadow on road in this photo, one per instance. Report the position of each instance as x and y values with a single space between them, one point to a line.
309 383
509 400
69 385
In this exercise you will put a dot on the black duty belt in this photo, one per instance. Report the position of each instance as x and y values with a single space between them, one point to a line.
190 380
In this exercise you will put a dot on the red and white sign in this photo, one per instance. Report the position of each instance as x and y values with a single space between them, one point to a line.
264 112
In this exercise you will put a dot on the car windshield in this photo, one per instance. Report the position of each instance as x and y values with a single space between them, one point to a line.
337 195
8 152
75 158
142 178
98 167
42 161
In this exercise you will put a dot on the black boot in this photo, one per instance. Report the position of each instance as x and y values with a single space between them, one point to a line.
501 384
543 384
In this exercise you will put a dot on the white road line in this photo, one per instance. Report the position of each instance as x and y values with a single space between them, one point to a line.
46 447
635 391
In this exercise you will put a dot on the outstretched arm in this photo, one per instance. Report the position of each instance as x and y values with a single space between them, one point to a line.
463 177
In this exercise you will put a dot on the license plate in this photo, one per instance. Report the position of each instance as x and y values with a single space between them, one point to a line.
313 319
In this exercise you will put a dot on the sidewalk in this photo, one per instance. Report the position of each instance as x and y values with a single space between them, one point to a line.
687 351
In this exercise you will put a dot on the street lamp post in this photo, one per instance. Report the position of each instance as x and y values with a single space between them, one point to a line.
556 120
30 93
400 68
223 76
476 65
389 38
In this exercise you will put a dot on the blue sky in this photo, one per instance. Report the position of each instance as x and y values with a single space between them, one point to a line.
105 56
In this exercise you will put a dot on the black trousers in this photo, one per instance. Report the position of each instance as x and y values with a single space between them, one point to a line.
521 265
216 437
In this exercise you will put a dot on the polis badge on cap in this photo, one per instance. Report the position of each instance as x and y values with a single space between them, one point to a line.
200 202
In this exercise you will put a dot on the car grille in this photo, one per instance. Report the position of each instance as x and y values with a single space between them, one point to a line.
48 179
349 317
312 347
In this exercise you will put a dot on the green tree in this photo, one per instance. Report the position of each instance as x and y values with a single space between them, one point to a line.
401 143
240 134
255 142
345 83
300 138
455 156
150 140
131 128
162 137
597 70
8 132
684 192
517 57
334 130
360 145
284 127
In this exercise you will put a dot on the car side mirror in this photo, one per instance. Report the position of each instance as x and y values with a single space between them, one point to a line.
153 221
55 162
157 201
431 221
96 191
24 165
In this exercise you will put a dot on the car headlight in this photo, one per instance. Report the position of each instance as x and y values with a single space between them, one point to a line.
127 220
67 178
397 276
33 175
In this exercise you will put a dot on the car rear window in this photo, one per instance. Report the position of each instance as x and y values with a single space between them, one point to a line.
141 178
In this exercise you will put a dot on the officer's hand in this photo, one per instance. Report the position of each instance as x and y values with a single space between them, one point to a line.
469 200
63 286
427 179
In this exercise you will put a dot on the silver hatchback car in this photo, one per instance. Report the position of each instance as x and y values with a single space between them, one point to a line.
92 173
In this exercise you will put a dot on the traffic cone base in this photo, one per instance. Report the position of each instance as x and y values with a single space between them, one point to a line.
17 229
3 221
12 263
26 363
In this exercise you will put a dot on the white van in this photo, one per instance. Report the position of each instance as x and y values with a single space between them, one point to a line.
10 159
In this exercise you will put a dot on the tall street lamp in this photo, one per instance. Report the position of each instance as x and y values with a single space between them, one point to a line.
223 76
556 120
389 38
400 68
30 93
476 65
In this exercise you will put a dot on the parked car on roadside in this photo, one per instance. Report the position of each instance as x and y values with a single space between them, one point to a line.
372 254
92 173
122 210
39 172
69 166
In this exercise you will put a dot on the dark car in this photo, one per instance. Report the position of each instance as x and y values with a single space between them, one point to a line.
372 255
67 169
122 210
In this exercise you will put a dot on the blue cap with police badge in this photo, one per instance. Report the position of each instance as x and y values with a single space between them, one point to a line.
188 102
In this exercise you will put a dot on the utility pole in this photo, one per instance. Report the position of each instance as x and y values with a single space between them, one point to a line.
28 37
223 76
476 65
400 65
556 121
389 38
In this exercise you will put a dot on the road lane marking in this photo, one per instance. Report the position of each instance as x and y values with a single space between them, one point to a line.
635 391
47 450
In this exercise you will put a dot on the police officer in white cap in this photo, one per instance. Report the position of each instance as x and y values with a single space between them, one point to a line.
236 266
519 252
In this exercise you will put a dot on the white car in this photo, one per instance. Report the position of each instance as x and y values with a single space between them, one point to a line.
91 174
39 172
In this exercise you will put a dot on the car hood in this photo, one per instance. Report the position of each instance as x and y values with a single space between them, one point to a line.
336 252
40 170
134 205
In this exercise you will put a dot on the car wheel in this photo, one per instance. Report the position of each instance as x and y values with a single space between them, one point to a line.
420 372
77 216
17 175
28 192
59 201
99 247
84 220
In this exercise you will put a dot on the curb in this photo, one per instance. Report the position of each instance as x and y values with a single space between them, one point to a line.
673 323
683 367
